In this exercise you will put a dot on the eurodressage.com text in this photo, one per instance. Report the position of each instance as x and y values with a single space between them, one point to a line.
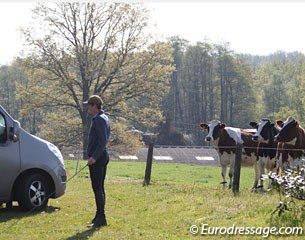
204 229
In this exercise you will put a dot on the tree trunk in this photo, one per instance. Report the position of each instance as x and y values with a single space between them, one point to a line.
211 94
222 94
86 122
231 104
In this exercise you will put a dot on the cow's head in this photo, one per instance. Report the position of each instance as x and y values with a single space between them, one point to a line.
213 128
288 132
264 131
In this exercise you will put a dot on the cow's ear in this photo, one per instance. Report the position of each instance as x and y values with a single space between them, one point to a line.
222 125
204 125
279 123
253 124
296 124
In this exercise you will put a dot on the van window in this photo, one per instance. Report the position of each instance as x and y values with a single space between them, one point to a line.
2 129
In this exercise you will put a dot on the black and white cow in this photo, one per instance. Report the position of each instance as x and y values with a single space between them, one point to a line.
292 142
225 140
267 146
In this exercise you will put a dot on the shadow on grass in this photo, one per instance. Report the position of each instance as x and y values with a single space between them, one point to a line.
83 235
14 212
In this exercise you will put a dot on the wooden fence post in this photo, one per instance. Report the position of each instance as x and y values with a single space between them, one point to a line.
237 167
148 164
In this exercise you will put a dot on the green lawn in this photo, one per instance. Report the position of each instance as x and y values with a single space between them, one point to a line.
180 195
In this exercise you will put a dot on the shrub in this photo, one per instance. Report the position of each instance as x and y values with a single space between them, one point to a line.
290 185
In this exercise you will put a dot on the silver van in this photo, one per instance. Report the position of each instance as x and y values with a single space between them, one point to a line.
32 170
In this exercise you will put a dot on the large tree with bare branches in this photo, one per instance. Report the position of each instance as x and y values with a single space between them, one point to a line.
79 49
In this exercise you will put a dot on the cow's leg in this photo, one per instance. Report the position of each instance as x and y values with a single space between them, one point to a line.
231 172
224 162
261 165
257 174
279 164
271 167
224 175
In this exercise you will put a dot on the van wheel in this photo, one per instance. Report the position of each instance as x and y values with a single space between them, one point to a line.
33 193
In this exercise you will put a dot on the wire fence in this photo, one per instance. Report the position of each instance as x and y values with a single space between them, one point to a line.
199 155
76 152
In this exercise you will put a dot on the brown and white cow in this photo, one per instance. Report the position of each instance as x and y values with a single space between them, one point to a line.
291 140
267 146
225 140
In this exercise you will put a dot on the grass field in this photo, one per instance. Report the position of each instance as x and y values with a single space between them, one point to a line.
180 196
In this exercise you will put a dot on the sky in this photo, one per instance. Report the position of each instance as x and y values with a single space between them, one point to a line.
253 27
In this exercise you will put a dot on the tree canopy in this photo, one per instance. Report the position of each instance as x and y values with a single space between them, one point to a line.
93 48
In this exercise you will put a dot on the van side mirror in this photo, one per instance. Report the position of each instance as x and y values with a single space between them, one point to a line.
12 136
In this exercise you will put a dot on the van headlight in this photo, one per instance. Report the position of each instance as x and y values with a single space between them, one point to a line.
56 152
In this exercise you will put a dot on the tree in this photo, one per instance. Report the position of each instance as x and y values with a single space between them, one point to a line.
209 82
10 75
199 84
172 103
93 48
242 99
275 91
225 74
5 92
297 89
